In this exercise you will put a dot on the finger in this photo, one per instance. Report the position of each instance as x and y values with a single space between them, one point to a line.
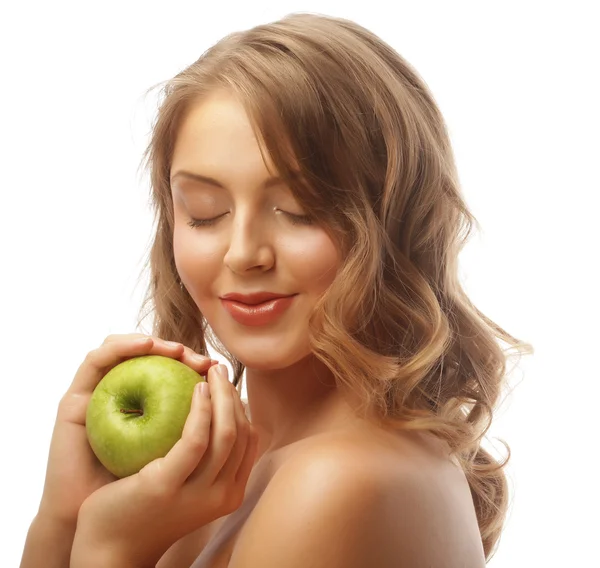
232 465
99 361
200 363
224 428
183 458
113 351
173 347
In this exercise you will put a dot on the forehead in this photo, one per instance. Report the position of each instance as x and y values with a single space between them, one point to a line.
218 112
217 133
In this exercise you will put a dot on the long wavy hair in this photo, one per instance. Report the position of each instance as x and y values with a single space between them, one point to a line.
357 134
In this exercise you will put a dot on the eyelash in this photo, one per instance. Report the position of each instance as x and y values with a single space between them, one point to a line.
294 219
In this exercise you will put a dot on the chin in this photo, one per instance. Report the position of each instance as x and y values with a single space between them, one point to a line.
267 358
263 348
267 363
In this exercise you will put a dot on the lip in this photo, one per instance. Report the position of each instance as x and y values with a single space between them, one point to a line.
257 314
254 298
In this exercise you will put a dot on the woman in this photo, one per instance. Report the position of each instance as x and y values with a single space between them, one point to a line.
309 221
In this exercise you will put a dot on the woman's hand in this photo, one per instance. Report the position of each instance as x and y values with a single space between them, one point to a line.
73 472
133 521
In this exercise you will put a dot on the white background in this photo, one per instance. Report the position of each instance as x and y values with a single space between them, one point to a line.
518 85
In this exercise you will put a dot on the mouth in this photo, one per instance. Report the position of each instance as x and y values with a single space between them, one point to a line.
254 299
257 304
261 313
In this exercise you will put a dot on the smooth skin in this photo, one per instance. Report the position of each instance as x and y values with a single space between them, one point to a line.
214 457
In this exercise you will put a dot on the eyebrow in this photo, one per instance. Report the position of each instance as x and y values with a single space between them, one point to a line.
272 181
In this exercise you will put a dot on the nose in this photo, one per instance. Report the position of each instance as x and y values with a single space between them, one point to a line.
250 246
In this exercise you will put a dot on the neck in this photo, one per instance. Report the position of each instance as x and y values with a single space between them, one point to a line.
287 405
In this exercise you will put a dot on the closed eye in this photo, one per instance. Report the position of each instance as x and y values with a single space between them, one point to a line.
202 222
294 220
299 219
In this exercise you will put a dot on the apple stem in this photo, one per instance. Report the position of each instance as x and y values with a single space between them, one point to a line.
140 412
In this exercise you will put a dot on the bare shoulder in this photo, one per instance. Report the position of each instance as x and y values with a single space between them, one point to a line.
184 552
384 454
362 498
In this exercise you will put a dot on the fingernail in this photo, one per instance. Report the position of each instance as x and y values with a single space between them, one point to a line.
200 358
221 369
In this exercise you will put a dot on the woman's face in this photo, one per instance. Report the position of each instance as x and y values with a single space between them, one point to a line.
253 244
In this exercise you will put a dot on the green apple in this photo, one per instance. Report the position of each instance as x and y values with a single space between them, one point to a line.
138 410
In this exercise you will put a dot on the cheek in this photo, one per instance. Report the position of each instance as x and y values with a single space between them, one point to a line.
197 259
312 259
